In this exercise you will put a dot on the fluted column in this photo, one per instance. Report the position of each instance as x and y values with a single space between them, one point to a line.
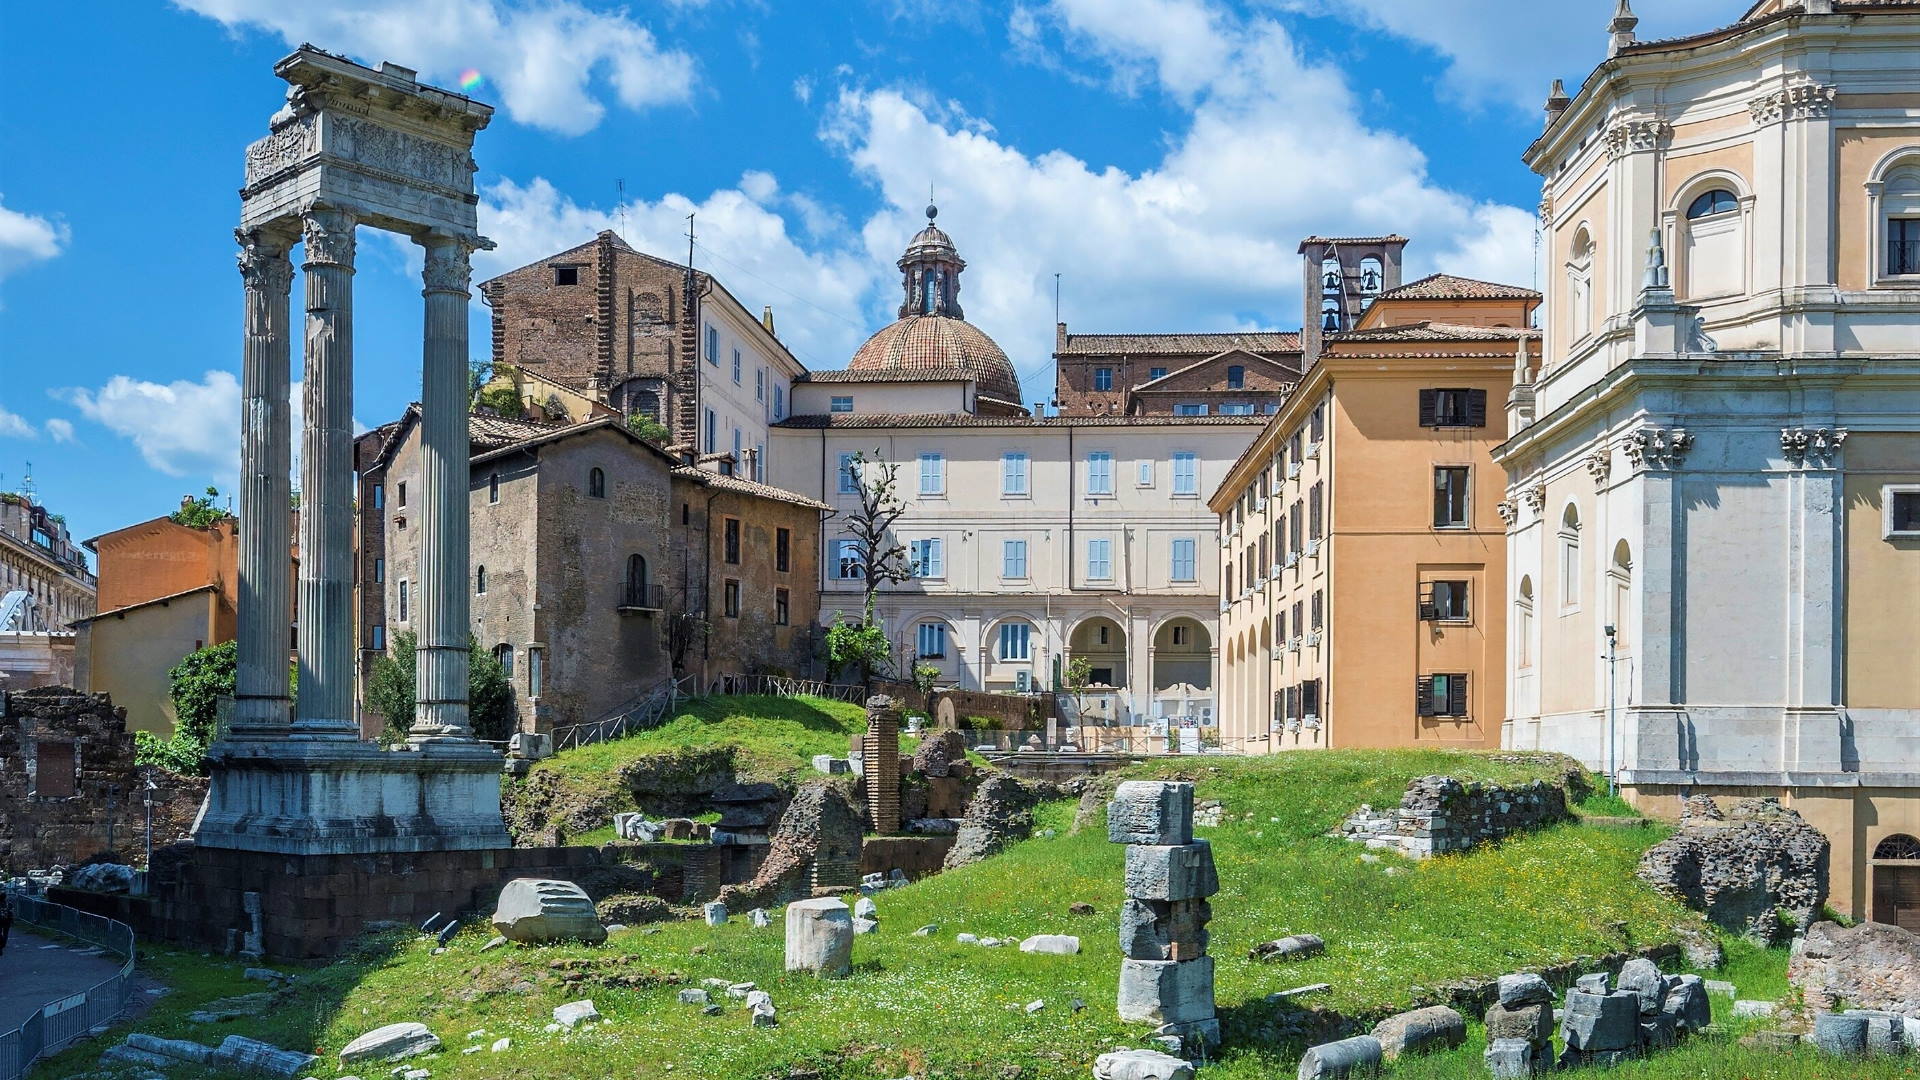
261 707
442 659
324 706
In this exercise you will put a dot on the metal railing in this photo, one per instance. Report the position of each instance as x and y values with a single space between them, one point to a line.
644 713
639 594
785 686
1903 256
61 1022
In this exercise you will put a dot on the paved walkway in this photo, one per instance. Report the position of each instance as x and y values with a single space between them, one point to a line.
40 968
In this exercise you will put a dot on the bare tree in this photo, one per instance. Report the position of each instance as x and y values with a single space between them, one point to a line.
882 559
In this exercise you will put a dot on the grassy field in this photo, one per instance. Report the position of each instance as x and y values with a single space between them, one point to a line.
929 1007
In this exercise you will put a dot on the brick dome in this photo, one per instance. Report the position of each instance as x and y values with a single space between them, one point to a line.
939 344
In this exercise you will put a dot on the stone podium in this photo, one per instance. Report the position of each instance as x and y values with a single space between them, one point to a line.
353 146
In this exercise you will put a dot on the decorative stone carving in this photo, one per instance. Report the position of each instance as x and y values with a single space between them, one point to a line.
329 237
448 268
1657 448
264 265
386 149
1631 135
289 145
1812 446
1697 339
1600 464
1509 513
1535 497
1792 102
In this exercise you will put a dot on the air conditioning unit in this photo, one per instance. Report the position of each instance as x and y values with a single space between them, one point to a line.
1293 645
1313 723
1293 470
1313 638
1260 505
1292 558
1023 681
1313 548
1224 605
1293 723
1313 450
1276 570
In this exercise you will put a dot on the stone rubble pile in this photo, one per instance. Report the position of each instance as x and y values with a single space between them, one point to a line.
1747 869
1440 814
1166 976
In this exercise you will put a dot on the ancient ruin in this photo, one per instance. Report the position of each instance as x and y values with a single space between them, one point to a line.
1166 976
1757 869
1441 814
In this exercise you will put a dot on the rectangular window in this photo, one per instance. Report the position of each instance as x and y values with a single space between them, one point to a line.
1186 473
379 496
713 345
1441 695
759 462
1156 373
927 558
1100 473
403 600
782 550
1316 511
1015 642
782 607
1900 511
841 404
736 367
1013 559
1310 698
1450 497
1183 559
379 638
1444 601
1293 527
849 475
1188 408
1317 424
1103 378
1146 474
1013 473
732 542
760 384
932 643
400 495
566 275
379 571
779 402
1453 408
1236 377
712 432
933 474
730 594
536 670
1100 559
847 563
1179 635
56 771
1237 408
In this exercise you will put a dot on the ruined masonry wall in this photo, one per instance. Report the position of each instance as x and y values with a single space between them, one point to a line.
1440 814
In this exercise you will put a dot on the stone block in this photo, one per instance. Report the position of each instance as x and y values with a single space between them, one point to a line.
1514 1059
1534 1022
1167 991
1171 872
1523 989
1152 812
1658 1032
1640 976
865 926
1164 929
575 1013
1841 1034
1292 947
177 1049
1598 982
1051 944
539 910
241 1054
1358 1056
820 938
1886 1031
1753 1010
1140 1065
390 1043
1686 1002
714 912
1420 1031
1593 1022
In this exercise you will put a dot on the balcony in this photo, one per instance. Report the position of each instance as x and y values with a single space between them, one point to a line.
640 598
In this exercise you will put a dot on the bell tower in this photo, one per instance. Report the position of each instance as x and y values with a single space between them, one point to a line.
1340 277
930 272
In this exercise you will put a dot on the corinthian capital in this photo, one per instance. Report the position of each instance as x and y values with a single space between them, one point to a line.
329 237
448 268
264 266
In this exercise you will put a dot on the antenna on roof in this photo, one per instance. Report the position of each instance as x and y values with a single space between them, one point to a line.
26 485
1056 299
689 243
620 207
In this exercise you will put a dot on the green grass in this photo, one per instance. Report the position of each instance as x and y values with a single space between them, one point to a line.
929 1007
773 736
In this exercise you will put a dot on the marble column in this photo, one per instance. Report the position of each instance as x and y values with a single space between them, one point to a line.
442 657
324 706
261 706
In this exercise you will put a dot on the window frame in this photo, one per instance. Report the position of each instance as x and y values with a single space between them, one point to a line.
1020 570
927 558
1025 637
730 598
848 480
1236 376
1465 498
1192 461
1888 494
782 551
1099 558
596 483
782 607
933 475
730 541
1016 463
840 403
1103 380
920 636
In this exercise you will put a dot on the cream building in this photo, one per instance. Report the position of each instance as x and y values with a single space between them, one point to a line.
1719 457
1035 539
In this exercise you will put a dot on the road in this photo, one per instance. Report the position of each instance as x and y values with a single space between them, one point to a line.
32 974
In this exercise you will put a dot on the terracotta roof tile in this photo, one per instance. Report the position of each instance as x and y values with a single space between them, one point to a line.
919 343
1435 331
950 420
746 487
1390 238
926 374
1449 287
1200 345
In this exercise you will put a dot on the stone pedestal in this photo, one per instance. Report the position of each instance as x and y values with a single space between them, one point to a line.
1166 977
341 797
820 938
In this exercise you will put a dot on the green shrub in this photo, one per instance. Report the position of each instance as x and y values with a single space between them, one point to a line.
392 690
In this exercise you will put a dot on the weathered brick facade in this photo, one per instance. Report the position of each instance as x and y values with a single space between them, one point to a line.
755 638
1154 374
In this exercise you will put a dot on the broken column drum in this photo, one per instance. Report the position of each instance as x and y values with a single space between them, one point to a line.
1166 976
352 146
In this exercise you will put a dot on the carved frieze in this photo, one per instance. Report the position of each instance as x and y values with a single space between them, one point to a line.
378 146
290 144
1635 134
1812 447
1792 102
1654 447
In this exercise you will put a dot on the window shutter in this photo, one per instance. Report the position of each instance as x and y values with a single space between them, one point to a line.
1423 697
1476 408
1457 694
1310 697
1427 407
1429 609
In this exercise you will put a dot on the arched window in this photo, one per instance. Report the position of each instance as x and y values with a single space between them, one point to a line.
503 652
493 487
1580 259
1897 848
479 579
1713 258
636 582
597 484
1620 587
1896 191
1330 278
1570 559
1330 317
1371 277
1523 624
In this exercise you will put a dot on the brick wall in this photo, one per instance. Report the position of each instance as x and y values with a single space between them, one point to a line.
751 642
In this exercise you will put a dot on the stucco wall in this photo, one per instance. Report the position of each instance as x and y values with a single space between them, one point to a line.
129 655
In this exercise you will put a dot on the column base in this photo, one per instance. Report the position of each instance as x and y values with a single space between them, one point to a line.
327 796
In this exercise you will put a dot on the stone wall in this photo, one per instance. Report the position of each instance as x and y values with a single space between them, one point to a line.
1440 814
50 820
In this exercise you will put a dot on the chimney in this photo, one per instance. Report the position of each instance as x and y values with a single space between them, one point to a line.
1557 102
766 319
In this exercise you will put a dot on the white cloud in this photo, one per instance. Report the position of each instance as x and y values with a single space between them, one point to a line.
744 240
550 61
181 428
26 239
1510 51
13 426
59 430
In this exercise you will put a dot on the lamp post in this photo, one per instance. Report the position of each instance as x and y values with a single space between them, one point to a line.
146 798
1612 767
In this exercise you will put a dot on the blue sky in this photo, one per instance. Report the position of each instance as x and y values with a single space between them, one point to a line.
1163 156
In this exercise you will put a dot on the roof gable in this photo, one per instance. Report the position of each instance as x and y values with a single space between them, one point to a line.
1188 377
1451 287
